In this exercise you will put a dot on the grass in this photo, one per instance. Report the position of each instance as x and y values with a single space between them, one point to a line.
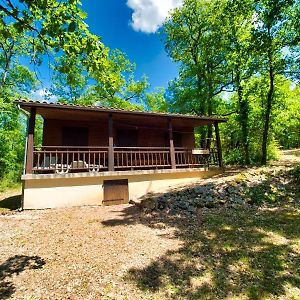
240 254
7 185
246 252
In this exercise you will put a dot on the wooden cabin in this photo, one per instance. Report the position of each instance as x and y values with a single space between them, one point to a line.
94 155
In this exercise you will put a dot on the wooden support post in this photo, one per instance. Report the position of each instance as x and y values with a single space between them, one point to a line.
30 141
172 149
218 142
111 160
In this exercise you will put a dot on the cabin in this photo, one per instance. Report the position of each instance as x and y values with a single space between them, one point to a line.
92 155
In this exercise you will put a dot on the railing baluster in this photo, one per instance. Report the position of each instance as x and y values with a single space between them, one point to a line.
38 159
55 160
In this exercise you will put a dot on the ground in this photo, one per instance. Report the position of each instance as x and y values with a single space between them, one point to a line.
121 252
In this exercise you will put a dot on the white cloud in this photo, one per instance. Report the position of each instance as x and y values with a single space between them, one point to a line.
43 94
149 15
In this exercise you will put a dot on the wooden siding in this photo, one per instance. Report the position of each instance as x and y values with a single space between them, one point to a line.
52 136
98 133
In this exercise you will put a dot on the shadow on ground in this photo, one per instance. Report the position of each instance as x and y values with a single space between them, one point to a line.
13 266
243 252
11 203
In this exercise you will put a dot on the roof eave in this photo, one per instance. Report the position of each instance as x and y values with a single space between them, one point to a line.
30 103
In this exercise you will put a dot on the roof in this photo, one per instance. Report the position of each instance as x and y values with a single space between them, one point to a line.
38 104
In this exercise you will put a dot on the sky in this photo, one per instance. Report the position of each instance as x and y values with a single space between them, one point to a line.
131 26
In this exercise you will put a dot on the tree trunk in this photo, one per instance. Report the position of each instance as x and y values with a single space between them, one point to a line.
268 111
209 104
243 117
202 109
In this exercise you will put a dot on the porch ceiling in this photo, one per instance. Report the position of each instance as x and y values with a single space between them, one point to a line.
93 113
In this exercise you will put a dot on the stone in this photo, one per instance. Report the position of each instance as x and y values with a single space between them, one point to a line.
191 209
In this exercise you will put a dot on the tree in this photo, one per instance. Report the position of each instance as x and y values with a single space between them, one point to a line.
272 36
192 38
53 25
121 90
69 86
16 81
156 101
238 26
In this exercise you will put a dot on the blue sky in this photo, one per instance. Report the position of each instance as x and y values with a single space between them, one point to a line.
131 26
112 21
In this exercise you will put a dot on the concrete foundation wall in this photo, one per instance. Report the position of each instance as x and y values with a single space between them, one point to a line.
44 191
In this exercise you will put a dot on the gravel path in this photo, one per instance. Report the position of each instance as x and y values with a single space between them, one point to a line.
78 253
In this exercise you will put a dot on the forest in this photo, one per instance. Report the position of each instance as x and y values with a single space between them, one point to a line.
238 59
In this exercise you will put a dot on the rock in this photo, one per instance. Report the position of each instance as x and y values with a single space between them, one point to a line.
210 204
191 209
209 198
221 201
148 204
231 189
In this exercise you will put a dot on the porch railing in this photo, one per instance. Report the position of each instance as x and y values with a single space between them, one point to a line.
65 159
96 159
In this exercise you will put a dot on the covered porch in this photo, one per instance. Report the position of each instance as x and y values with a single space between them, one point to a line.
95 139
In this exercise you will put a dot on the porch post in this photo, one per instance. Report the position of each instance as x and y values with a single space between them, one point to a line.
30 141
172 149
111 160
218 142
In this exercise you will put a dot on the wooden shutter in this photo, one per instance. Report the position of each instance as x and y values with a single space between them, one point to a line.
115 192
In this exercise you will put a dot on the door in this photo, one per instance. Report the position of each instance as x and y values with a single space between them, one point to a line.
115 192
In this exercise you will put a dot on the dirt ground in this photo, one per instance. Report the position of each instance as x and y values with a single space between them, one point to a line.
119 253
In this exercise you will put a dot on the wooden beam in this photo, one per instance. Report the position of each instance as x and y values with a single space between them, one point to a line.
218 142
172 149
111 160
30 141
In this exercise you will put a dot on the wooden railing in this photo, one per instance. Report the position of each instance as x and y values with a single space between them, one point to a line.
141 157
96 159
65 159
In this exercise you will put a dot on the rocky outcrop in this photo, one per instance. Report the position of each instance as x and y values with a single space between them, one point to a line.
239 190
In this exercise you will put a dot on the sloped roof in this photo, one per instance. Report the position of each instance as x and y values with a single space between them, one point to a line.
39 104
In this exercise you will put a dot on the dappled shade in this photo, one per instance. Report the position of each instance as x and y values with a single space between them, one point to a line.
13 266
227 253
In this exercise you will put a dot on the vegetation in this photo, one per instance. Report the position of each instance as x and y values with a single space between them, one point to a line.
239 59
236 57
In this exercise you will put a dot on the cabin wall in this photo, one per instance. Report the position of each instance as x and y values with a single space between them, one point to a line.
98 134
52 134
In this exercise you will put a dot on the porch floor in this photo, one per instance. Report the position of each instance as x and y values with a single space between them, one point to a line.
210 170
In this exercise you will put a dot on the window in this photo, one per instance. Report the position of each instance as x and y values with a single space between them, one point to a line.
75 136
127 138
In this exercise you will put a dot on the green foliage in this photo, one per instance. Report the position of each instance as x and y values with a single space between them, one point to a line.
247 48
156 101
